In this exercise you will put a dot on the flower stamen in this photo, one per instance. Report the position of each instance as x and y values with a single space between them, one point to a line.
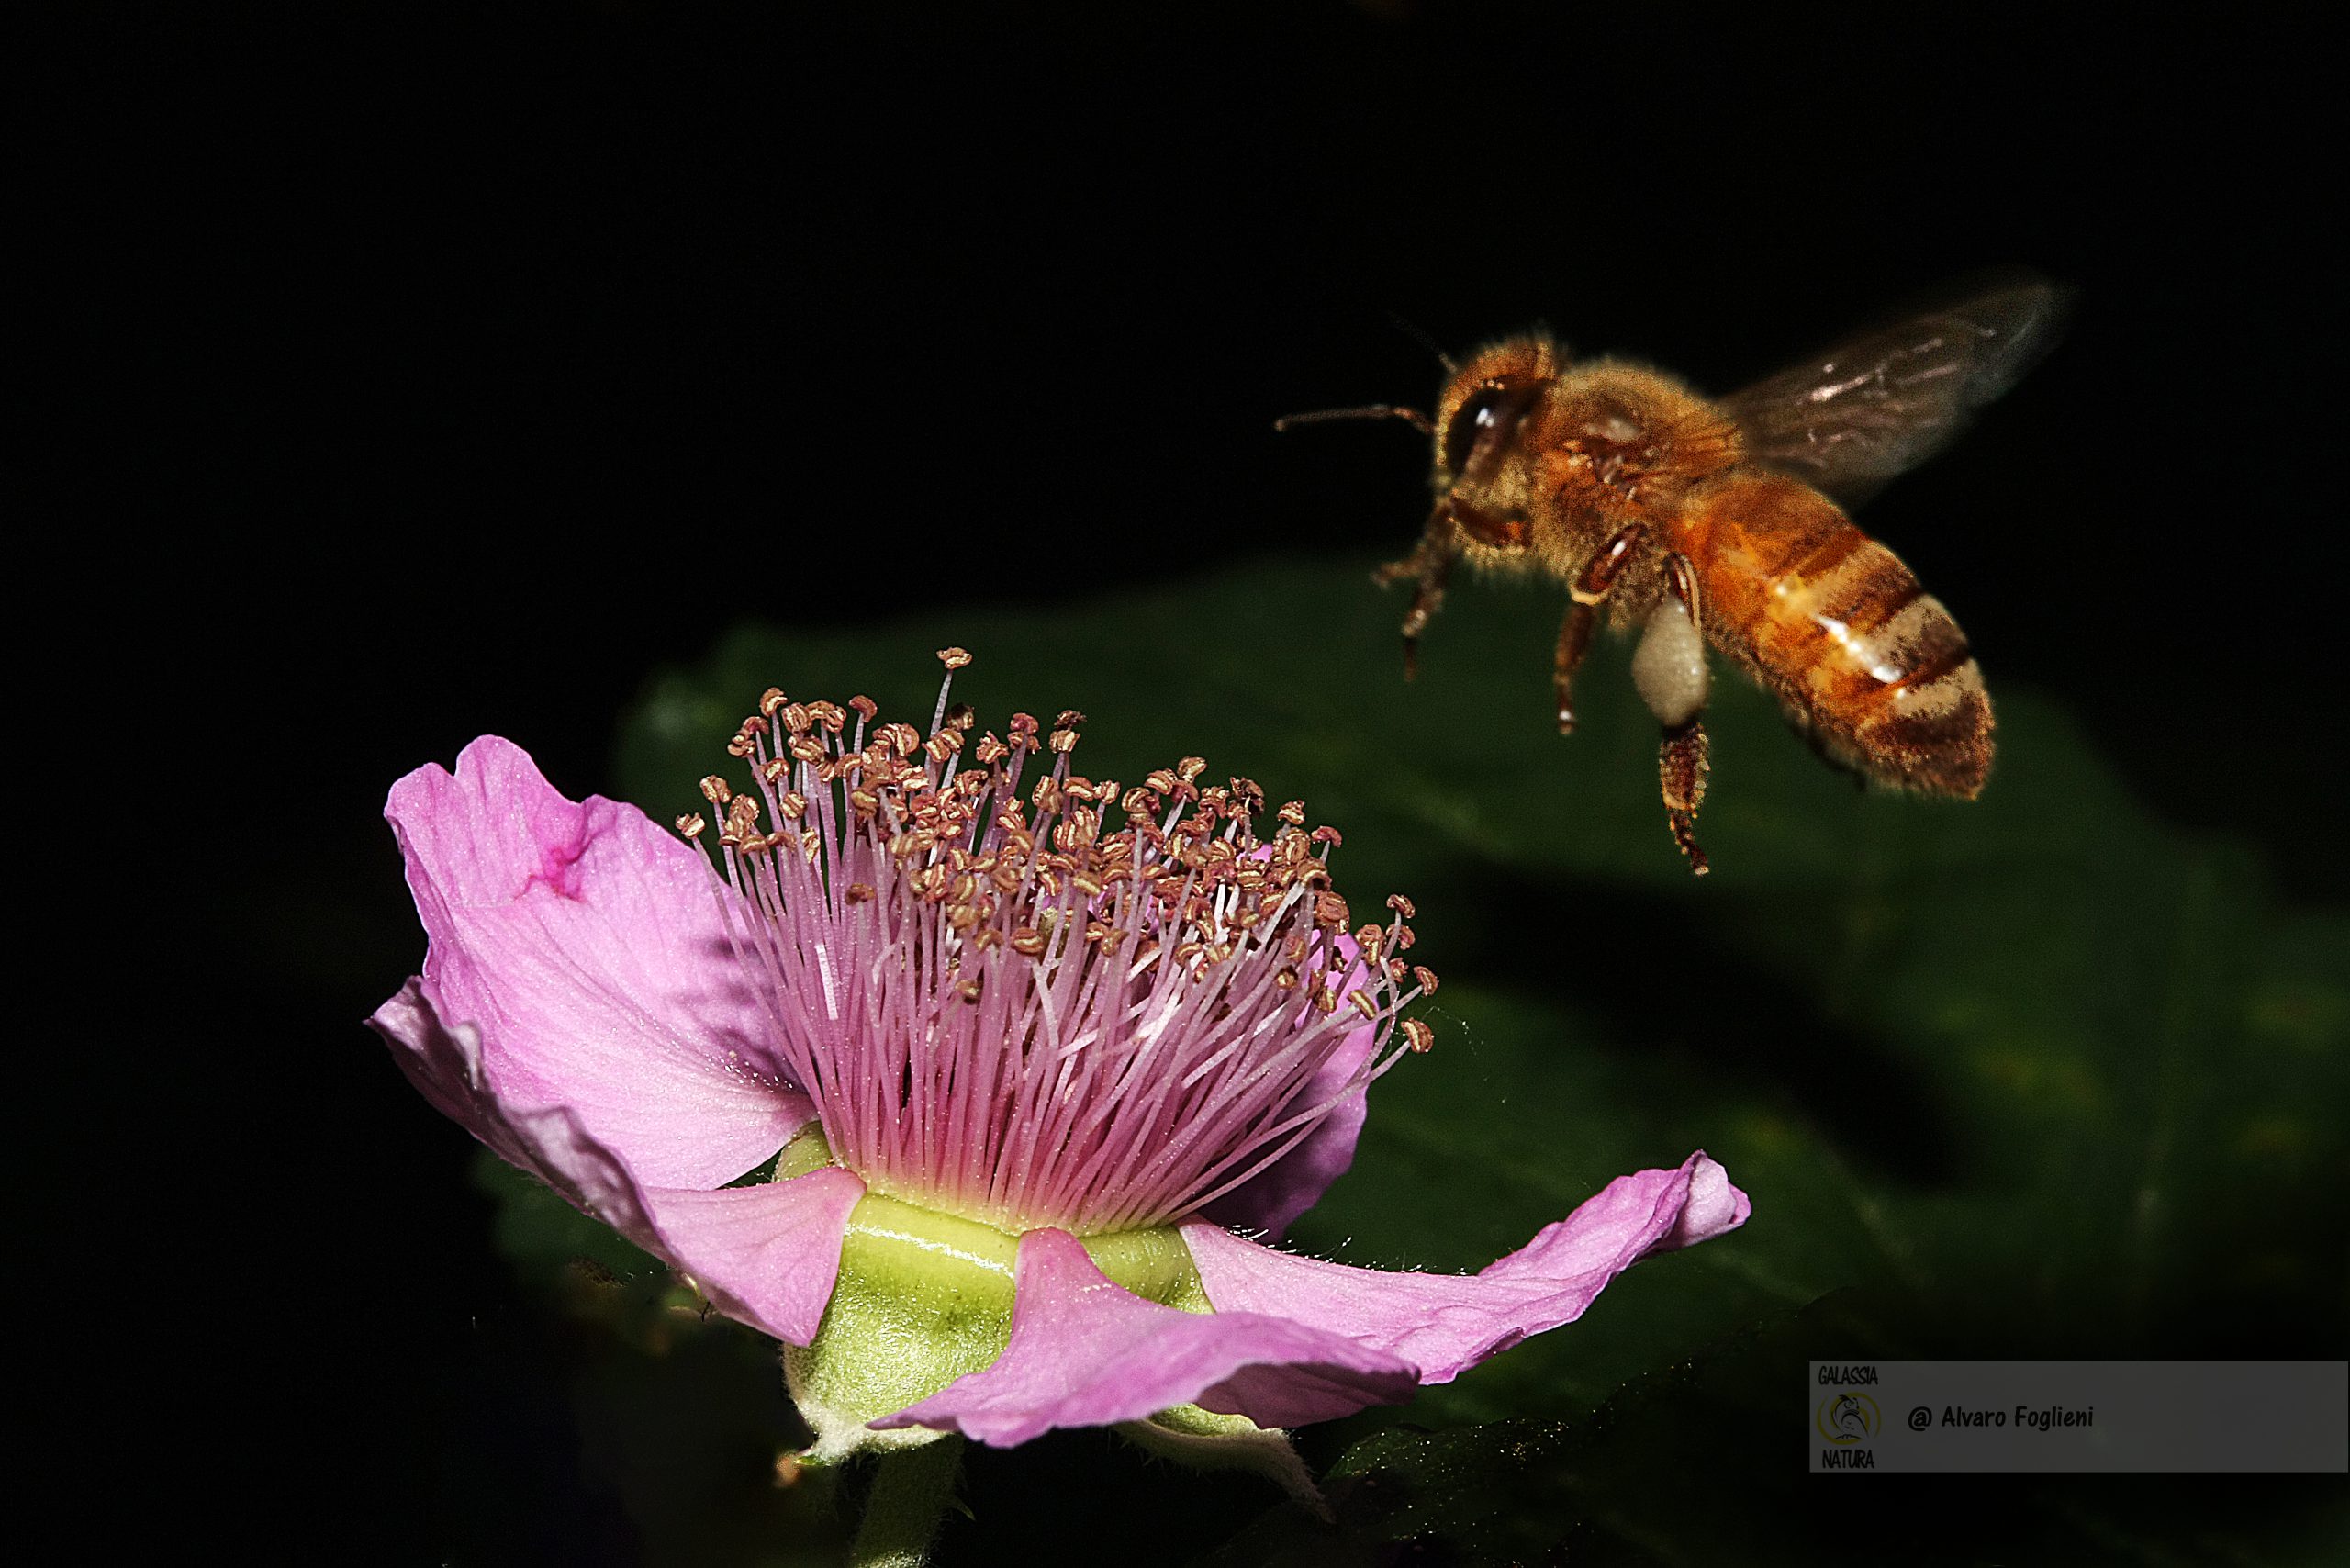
1006 1009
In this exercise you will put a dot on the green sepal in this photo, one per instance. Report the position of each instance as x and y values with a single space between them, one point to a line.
925 1297
1154 1264
1202 1440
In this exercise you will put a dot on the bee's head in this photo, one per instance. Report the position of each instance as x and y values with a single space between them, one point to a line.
1485 402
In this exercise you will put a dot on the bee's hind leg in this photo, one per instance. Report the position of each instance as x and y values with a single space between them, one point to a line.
1669 668
1428 565
1682 765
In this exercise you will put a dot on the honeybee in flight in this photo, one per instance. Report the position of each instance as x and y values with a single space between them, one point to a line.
1699 521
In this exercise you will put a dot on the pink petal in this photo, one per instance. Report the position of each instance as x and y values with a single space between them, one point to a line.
767 1255
1445 1324
444 1061
1085 1352
589 948
1272 1200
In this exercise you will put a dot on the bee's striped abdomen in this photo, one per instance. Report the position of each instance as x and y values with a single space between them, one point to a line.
1833 623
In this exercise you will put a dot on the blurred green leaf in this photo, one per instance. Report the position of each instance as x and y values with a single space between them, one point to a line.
2033 1076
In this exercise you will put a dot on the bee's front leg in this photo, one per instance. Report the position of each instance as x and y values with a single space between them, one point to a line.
1428 565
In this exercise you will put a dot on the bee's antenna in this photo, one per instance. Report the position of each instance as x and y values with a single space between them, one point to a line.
1413 330
1418 420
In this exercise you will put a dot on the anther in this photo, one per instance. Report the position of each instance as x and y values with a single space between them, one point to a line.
770 699
1360 1002
954 658
715 790
1418 1035
1402 906
1426 976
866 707
861 892
691 824
1190 768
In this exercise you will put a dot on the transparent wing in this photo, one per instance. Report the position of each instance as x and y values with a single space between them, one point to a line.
1849 420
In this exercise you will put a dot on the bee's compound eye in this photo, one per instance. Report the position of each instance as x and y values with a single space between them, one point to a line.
1474 419
1486 421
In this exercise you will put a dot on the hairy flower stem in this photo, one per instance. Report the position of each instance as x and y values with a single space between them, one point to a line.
909 1498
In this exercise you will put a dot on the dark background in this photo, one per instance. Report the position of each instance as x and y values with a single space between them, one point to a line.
459 366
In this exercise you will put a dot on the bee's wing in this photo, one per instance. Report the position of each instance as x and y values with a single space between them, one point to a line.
1847 420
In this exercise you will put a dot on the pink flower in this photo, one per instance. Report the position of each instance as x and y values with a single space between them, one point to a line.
1024 1082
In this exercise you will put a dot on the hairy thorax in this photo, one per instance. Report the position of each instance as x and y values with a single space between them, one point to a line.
1607 444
